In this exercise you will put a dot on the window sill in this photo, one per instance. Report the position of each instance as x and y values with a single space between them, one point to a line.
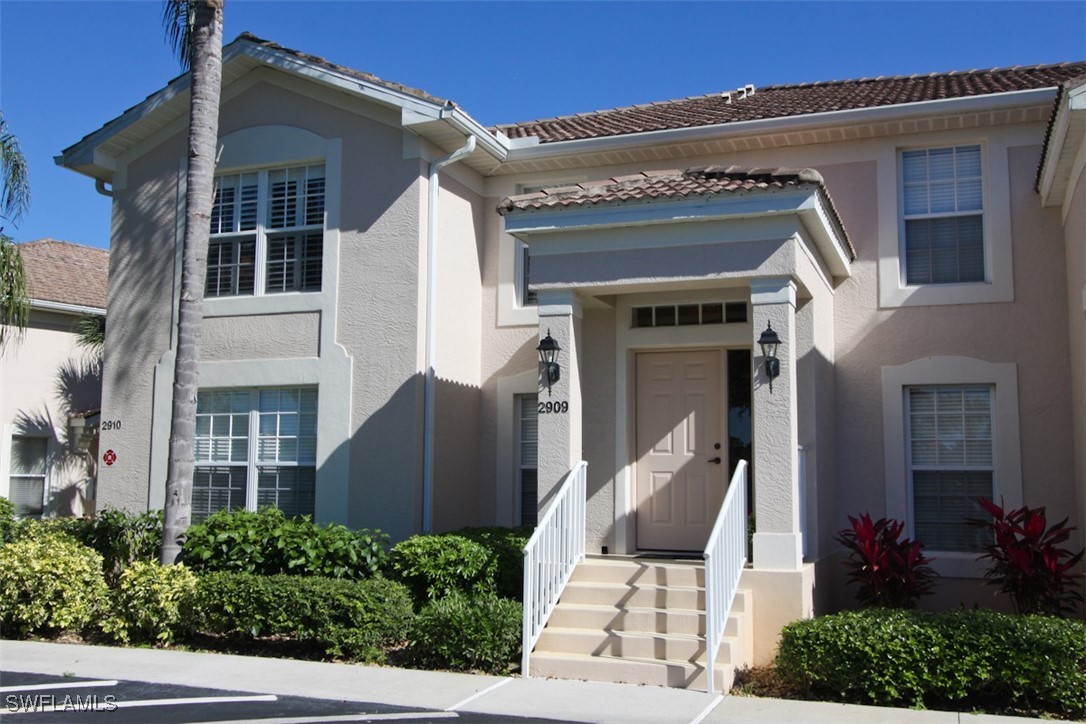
956 565
945 294
266 304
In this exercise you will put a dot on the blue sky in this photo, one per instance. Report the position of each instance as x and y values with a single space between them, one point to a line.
66 68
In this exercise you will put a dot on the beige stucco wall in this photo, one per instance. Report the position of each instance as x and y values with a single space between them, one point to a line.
1075 250
44 377
266 336
869 338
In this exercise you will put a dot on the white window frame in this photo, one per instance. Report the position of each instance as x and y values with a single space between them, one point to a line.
906 217
263 233
525 297
1007 475
965 466
998 256
10 471
253 463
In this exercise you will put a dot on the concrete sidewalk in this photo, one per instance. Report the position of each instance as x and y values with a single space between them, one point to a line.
441 691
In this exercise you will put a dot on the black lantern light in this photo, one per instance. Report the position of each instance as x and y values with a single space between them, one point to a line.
548 354
769 342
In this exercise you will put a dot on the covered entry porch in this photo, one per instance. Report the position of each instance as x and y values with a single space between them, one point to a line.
656 288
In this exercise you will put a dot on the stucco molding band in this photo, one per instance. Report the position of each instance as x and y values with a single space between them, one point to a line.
779 290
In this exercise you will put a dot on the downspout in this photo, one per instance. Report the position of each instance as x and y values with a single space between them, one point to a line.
431 333
100 187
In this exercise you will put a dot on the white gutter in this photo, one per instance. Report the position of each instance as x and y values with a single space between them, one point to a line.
431 332
65 307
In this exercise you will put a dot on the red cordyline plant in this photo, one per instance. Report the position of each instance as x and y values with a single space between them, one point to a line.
1027 561
891 573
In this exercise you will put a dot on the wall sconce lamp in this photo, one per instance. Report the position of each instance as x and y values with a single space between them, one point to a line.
548 354
769 342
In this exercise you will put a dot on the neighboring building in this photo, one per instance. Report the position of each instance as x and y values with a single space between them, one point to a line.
51 387
888 229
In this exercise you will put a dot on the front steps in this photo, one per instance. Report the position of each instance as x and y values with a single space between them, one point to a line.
640 621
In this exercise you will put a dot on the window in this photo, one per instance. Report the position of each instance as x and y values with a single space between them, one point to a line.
255 448
267 232
943 215
525 296
527 443
951 463
671 315
26 486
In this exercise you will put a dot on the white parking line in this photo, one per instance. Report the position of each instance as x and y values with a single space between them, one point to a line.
396 716
55 685
54 705
478 694
194 700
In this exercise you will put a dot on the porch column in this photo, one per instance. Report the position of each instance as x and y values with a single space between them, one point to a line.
778 543
559 431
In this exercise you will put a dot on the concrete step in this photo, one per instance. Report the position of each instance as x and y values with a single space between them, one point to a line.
622 644
618 618
618 594
639 572
629 670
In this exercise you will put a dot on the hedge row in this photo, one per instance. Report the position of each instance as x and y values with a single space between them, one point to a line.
970 658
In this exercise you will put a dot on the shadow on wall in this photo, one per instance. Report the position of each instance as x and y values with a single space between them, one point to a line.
386 460
72 469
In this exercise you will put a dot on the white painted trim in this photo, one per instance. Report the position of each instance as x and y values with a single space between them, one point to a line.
998 252
47 305
506 501
1007 479
773 290
510 312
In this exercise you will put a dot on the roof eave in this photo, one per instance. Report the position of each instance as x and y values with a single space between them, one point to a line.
66 307
811 121
1065 145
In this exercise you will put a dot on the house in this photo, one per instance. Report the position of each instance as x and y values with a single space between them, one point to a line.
384 271
51 386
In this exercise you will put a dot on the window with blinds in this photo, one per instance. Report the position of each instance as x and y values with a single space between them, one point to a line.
255 448
267 232
951 463
26 479
942 194
527 466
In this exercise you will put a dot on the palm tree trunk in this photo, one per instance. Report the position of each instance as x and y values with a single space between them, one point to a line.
206 70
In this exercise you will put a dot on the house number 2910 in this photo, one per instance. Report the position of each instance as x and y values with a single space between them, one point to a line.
554 407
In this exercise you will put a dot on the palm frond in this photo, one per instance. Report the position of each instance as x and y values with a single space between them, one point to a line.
14 176
91 332
14 299
178 17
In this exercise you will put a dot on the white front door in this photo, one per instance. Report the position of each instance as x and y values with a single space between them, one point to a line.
681 456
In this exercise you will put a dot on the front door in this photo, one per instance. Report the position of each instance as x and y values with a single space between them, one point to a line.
681 458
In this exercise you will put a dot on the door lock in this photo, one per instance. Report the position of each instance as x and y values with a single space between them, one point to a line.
715 460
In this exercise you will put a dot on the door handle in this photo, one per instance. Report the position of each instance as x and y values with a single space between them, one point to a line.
715 460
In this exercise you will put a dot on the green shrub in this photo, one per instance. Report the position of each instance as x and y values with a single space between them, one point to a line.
49 583
464 633
961 658
149 602
357 620
123 538
475 561
7 520
267 542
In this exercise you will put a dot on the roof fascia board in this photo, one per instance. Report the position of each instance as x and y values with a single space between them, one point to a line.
1073 103
827 236
528 223
497 145
45 304
811 121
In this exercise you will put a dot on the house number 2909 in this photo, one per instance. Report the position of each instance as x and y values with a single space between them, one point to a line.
554 407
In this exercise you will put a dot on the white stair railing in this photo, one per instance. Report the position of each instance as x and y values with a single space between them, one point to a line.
725 555
553 551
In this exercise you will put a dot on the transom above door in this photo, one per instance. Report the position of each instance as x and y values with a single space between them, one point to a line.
681 449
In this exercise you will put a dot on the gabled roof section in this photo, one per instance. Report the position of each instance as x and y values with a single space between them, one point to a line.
435 118
63 273
781 101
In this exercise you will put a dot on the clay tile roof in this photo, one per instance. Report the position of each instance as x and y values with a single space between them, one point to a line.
781 101
672 185
59 271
